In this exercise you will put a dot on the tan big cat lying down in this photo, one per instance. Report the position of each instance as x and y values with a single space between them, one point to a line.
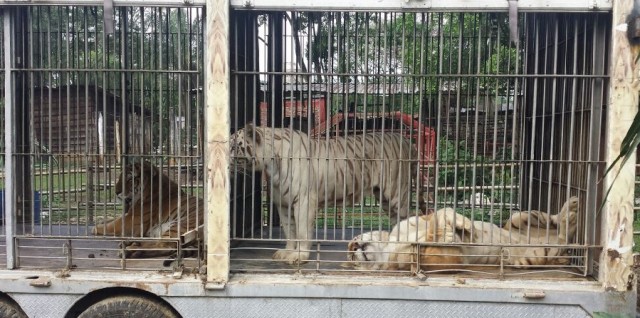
481 243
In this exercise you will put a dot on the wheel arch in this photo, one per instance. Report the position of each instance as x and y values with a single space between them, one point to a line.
14 307
105 293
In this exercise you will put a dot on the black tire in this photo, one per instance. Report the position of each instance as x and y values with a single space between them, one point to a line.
9 309
129 306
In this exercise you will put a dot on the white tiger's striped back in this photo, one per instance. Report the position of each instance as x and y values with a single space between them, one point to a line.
341 168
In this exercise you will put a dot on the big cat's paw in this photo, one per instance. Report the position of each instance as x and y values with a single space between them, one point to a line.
291 257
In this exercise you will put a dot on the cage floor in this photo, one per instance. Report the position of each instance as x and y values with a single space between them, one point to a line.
45 248
48 246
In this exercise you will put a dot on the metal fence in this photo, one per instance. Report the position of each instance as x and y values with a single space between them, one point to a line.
91 105
515 123
3 231
353 132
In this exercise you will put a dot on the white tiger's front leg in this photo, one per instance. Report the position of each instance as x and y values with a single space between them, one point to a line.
286 219
305 217
297 250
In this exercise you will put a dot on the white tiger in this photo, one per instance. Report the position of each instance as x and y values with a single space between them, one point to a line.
306 174
367 250
447 226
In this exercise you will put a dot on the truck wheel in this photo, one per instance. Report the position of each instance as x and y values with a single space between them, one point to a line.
129 306
10 310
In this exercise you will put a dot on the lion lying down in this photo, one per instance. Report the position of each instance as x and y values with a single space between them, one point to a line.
476 243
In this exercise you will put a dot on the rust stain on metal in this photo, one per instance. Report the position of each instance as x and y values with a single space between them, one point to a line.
631 281
636 260
613 254
142 286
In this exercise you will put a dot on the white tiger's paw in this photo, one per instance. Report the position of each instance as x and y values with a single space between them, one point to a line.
281 254
297 258
292 257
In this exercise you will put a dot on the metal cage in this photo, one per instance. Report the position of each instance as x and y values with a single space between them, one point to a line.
502 123
340 157
88 102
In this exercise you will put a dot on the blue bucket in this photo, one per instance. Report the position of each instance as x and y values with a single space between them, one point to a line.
36 207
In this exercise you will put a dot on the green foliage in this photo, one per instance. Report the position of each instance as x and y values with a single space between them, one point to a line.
422 46
460 168
354 220
486 214
628 147
457 161
72 42
636 238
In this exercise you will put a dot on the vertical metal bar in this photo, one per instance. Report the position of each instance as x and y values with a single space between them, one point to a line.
9 139
554 107
514 139
595 130
574 108
532 127
181 116
217 145
439 110
31 83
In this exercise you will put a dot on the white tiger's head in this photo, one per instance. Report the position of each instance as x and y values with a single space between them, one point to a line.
367 249
245 143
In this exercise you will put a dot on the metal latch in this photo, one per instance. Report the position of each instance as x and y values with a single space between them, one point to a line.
41 282
533 294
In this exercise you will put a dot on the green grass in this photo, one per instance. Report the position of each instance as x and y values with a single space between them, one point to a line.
64 195
367 221
370 217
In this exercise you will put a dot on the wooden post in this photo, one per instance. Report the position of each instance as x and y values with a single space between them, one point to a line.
617 220
217 121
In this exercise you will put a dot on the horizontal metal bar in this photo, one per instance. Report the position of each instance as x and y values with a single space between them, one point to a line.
477 188
412 75
421 5
499 244
121 3
118 70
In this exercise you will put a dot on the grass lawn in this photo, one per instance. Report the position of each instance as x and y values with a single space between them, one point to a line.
371 217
